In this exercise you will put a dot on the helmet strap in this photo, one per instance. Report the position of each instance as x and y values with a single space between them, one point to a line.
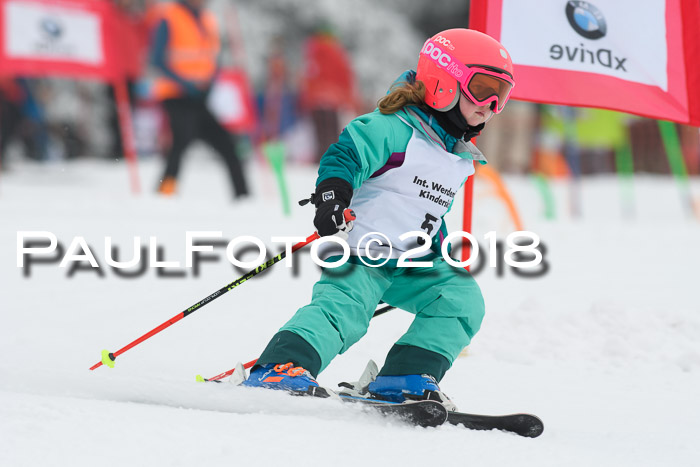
454 123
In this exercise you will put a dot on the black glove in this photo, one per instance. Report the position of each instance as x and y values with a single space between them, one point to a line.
332 198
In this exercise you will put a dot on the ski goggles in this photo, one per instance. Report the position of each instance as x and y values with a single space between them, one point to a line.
481 85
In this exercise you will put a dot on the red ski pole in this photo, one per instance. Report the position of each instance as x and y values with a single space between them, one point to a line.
220 376
109 357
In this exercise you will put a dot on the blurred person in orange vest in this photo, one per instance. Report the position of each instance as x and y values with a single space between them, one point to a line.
327 86
185 50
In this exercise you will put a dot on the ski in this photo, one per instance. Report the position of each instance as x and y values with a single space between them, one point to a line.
424 412
420 413
521 424
526 425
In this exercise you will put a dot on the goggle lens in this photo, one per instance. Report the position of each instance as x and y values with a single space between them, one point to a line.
482 86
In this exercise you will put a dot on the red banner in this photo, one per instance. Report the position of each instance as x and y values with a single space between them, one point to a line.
74 38
614 54
231 101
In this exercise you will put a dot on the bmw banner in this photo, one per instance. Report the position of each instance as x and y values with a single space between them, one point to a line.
637 57
67 37
70 38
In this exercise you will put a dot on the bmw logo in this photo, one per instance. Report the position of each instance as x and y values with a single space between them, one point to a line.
586 19
51 28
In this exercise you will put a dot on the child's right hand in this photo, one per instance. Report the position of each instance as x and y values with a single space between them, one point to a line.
332 198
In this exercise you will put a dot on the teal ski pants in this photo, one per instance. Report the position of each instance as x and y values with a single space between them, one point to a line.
446 300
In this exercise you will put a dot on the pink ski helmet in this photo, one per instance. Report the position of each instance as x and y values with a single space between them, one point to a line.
466 61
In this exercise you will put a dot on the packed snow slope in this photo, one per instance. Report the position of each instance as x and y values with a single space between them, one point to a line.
604 347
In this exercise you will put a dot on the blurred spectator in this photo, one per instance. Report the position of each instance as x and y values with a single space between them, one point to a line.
185 53
21 118
690 142
327 86
131 23
275 90
647 147
510 148
11 96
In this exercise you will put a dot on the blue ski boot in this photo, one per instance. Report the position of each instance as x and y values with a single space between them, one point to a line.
283 376
409 387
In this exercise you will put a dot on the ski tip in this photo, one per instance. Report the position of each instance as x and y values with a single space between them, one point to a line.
108 358
200 379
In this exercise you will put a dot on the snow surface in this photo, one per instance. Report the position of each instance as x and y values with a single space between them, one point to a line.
605 347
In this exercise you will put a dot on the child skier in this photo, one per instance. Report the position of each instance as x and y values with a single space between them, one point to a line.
398 168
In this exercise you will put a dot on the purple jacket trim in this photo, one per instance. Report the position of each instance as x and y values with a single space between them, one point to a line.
395 160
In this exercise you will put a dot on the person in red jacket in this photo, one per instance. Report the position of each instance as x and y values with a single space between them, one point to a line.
327 86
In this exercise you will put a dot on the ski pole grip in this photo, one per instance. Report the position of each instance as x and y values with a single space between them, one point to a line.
349 215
